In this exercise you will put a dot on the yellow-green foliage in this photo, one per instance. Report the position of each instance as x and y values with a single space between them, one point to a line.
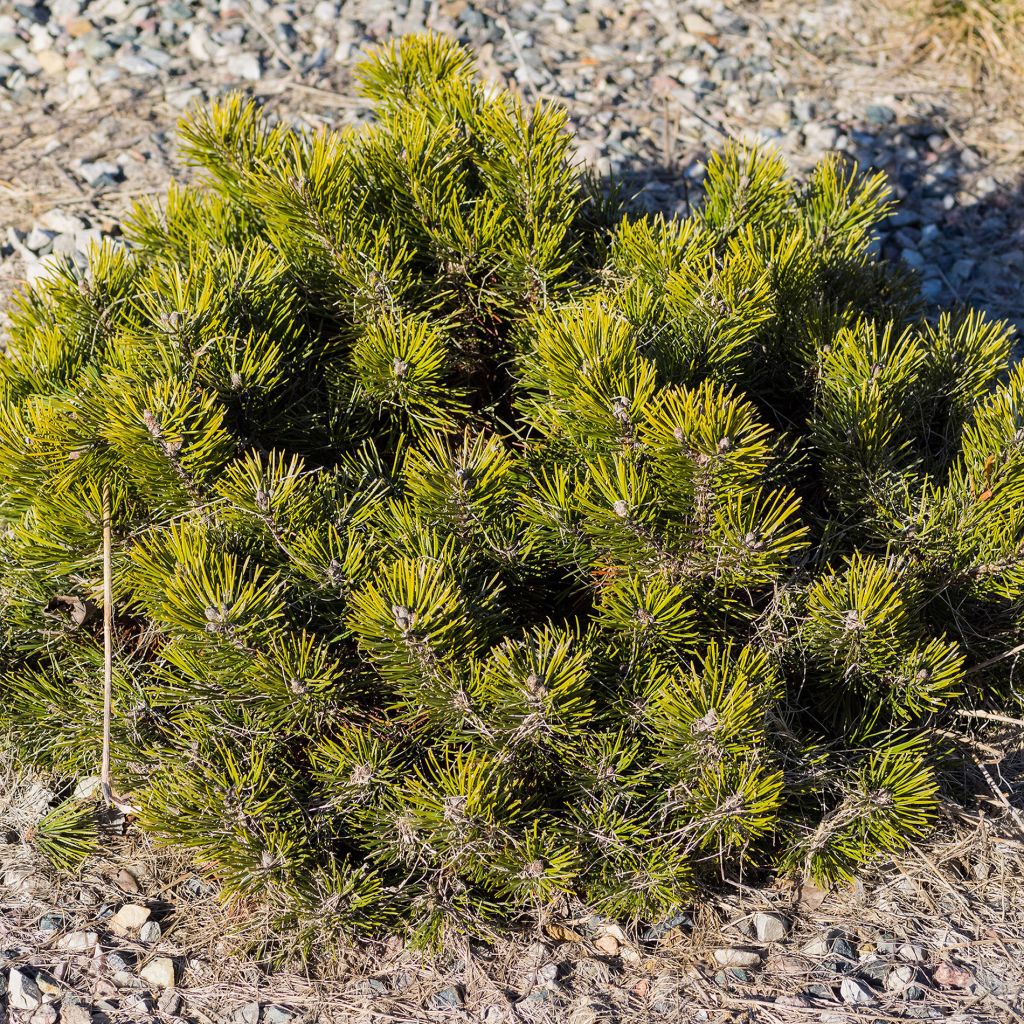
476 544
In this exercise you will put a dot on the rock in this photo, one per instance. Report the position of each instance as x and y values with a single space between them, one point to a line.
697 25
738 956
816 948
49 924
277 1015
78 27
247 1014
854 991
449 998
100 174
129 919
40 240
49 986
133 64
900 977
46 1014
150 932
120 961
245 66
669 927
880 113
159 973
912 953
51 62
770 927
73 1013
125 879
607 944
170 1003
793 999
22 991
548 974
947 975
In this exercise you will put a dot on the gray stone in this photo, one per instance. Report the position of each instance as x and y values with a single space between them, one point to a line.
277 1015
449 998
169 1002
120 960
46 1014
770 927
880 113
133 64
100 174
738 956
247 1014
150 932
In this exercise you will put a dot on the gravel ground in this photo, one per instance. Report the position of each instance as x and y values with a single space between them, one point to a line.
90 92
89 95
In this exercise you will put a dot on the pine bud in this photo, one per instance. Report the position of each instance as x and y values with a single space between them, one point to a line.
262 500
621 509
725 444
401 367
152 423
620 408
852 621
454 808
403 617
535 869
335 573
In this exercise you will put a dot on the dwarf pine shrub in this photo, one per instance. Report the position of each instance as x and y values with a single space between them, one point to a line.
477 546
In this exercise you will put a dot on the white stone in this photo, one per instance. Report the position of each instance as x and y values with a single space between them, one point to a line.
737 956
900 977
73 1013
129 919
854 991
150 932
245 65
816 947
60 222
79 942
770 927
159 972
200 47
697 25
46 1014
23 992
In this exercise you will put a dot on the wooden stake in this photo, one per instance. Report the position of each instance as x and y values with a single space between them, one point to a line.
108 647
